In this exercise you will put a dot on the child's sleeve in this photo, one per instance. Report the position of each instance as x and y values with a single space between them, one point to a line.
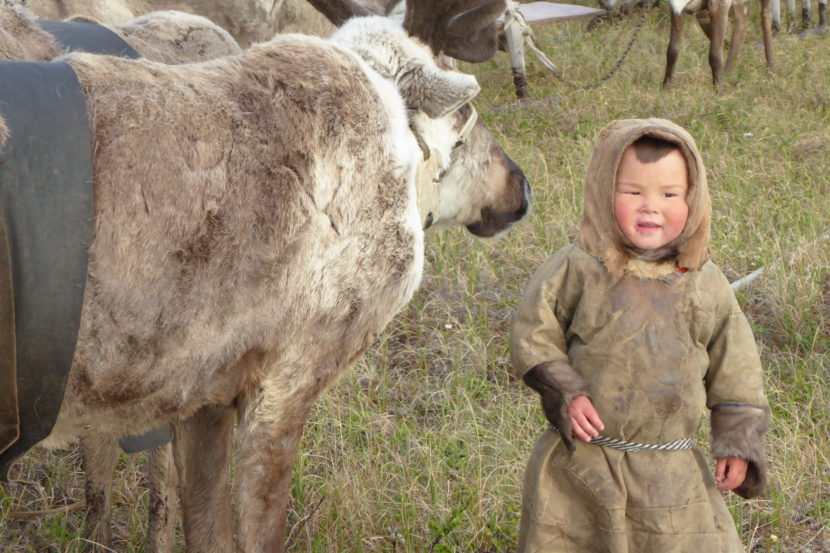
538 334
735 392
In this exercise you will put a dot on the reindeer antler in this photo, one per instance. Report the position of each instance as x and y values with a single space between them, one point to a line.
463 29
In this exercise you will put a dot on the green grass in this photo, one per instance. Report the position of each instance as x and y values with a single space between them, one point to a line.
422 445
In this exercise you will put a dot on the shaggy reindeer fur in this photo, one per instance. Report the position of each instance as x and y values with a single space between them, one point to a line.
252 267
174 37
22 39
248 21
739 432
167 37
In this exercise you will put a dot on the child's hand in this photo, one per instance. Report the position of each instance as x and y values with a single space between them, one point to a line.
585 420
730 472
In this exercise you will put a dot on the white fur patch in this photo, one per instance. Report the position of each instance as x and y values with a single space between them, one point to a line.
677 6
383 43
400 139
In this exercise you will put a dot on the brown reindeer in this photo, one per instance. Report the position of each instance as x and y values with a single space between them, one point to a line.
715 28
481 174
168 37
271 252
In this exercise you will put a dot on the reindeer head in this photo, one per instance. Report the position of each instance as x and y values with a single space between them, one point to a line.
462 29
465 177
476 185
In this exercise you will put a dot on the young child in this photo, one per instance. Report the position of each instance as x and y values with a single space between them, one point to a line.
627 335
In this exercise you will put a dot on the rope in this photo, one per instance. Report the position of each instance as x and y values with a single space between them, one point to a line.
514 17
464 134
631 447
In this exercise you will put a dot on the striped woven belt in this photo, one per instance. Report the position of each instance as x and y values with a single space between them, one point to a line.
676 445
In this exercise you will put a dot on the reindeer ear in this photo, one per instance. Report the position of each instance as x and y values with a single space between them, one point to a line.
434 91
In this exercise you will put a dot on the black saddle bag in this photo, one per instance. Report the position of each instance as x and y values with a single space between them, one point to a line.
46 207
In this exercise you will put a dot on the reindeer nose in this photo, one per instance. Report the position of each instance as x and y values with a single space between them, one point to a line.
517 176
527 195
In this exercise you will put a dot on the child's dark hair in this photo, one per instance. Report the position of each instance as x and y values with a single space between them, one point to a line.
649 149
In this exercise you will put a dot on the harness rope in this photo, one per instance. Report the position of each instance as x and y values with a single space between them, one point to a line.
514 17
468 125
430 172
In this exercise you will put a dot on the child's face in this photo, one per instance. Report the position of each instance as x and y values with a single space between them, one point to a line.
650 199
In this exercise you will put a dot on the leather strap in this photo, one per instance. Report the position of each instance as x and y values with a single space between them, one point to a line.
88 37
141 442
47 202
9 420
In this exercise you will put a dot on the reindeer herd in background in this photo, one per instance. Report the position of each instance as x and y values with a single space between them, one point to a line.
258 20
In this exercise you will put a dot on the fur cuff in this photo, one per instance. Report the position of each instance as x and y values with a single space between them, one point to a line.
557 383
738 431
559 377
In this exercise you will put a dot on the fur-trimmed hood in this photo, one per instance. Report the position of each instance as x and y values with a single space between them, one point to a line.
599 233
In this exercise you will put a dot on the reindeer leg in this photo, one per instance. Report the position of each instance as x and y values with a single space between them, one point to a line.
805 15
776 15
161 523
719 12
515 48
740 14
705 21
790 15
270 426
822 14
202 446
100 455
674 46
766 27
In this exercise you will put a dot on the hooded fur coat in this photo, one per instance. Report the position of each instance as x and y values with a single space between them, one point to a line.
652 346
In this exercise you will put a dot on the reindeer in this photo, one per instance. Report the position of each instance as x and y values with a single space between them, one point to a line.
267 347
479 169
715 28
